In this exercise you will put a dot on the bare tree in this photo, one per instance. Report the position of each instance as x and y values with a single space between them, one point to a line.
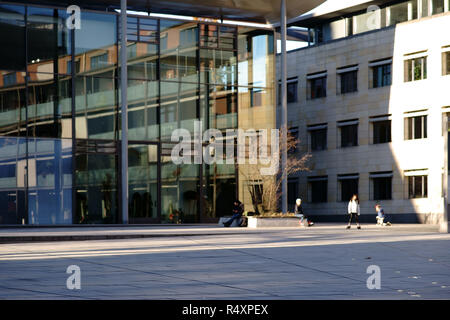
264 190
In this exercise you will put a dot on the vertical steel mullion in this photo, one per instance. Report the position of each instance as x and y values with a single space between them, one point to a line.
73 121
158 121
199 116
124 102
283 109
26 120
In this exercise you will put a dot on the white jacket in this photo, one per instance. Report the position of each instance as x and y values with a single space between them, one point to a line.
353 207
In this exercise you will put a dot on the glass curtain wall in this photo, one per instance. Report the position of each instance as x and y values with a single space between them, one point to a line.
60 114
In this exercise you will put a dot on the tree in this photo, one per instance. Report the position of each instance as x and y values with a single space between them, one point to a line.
264 190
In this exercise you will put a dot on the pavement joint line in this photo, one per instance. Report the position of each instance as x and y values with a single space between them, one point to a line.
297 265
167 276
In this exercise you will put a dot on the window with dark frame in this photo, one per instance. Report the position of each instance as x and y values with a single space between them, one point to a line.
416 127
381 75
381 131
318 139
349 135
382 186
291 91
418 186
349 186
292 190
349 81
317 87
318 187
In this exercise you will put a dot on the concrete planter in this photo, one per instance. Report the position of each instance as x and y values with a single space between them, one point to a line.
267 222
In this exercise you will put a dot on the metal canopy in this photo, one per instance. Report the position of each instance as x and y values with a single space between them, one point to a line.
262 11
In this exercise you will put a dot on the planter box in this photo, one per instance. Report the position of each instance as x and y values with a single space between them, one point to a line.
258 222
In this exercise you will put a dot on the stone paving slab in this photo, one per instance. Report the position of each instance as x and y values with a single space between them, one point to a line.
322 262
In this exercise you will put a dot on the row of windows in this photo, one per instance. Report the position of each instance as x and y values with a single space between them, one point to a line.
415 128
347 77
348 185
376 17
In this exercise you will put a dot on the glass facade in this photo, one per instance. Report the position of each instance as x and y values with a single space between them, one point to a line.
60 114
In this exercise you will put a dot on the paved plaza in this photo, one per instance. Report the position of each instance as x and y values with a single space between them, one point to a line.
208 262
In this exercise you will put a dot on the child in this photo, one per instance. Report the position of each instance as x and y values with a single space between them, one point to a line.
381 216
353 211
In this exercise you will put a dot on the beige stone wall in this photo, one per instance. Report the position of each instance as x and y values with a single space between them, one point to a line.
432 94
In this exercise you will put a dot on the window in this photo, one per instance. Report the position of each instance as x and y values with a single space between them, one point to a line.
415 69
446 63
292 190
317 86
291 90
348 81
293 139
417 186
99 61
318 134
69 66
381 131
9 79
348 186
381 75
438 6
318 189
381 183
416 127
349 134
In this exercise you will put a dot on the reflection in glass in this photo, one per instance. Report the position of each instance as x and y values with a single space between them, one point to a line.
96 42
48 40
143 184
178 45
96 182
96 108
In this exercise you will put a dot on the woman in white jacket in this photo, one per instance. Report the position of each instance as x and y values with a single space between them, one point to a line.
353 211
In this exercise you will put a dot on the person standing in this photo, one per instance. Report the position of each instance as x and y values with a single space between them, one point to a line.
353 211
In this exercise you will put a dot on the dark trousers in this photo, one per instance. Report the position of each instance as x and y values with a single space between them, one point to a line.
353 215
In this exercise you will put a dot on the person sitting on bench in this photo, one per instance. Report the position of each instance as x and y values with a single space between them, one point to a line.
238 209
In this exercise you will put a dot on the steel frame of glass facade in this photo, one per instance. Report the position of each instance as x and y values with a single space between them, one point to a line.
60 123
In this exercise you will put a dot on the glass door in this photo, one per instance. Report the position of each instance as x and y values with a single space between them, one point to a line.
143 183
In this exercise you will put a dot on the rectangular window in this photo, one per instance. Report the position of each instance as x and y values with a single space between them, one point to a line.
446 63
416 127
381 75
318 136
381 185
292 190
349 135
349 81
9 79
317 88
291 90
417 186
69 66
99 61
318 187
438 6
292 140
348 186
415 69
381 131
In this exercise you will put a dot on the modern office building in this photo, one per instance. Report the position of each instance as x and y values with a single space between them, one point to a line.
369 99
60 106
